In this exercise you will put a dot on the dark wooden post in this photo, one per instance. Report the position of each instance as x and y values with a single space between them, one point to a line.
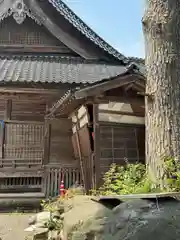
47 138
2 138
7 116
47 145
96 145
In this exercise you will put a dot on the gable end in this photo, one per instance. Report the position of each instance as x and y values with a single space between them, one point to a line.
28 37
72 18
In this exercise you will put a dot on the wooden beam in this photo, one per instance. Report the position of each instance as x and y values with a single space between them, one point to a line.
21 172
24 122
122 99
29 90
32 48
105 86
138 86
129 86
59 33
110 124
121 113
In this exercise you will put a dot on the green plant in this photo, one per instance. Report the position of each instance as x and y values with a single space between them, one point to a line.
133 178
58 206
53 223
130 178
171 175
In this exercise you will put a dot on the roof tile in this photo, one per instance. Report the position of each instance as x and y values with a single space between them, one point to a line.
55 70
68 14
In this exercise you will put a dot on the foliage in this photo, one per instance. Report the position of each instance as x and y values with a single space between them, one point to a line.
54 223
171 174
133 178
57 205
124 179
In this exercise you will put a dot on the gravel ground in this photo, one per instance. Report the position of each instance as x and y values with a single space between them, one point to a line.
12 226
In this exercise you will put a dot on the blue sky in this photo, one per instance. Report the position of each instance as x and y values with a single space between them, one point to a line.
116 21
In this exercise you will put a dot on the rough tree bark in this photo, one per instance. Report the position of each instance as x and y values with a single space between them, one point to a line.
161 26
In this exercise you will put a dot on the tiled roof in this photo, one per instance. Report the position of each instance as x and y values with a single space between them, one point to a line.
68 14
54 69
139 62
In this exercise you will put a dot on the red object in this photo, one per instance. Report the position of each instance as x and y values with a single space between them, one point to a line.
62 190
93 135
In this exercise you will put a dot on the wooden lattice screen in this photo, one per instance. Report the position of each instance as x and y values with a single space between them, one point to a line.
118 144
22 144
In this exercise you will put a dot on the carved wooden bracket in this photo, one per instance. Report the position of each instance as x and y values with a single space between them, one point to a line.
17 9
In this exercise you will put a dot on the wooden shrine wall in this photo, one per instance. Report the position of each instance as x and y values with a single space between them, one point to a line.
61 150
23 133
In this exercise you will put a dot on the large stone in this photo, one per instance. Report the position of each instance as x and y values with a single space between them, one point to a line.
79 211
32 220
131 220
35 232
42 218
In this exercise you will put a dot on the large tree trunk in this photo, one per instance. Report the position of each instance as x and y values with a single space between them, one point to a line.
161 25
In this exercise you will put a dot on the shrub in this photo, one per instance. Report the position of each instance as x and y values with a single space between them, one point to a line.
133 178
124 179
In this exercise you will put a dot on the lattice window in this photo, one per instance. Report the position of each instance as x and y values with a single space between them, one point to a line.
24 134
118 144
24 143
28 33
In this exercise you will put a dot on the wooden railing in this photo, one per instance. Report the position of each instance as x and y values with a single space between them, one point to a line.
47 181
54 176
20 184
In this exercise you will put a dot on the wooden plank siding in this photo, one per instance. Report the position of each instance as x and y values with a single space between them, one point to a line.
61 150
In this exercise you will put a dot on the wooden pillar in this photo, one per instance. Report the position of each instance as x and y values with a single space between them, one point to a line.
7 116
47 143
96 145
2 138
